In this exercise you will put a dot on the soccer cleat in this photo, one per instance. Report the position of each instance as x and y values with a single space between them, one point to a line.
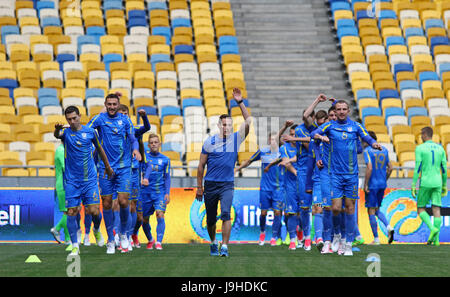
135 240
433 233
150 244
99 238
348 249
292 246
335 243
319 244
124 244
158 246
300 243
391 236
55 235
86 242
273 242
117 240
262 236
436 240
214 249
110 248
223 251
307 245
75 251
326 249
358 242
341 248
130 244
279 241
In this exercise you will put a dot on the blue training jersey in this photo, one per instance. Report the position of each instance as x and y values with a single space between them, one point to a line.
78 158
115 134
274 178
156 168
138 132
222 156
343 144
379 161
302 151
287 150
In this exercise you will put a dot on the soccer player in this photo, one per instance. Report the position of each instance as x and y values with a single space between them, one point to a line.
60 195
155 188
116 132
431 166
378 170
80 174
219 155
135 173
342 136
271 185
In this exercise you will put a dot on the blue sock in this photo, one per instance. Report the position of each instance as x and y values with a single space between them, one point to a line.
147 231
108 216
318 225
78 219
306 224
136 227
292 223
87 223
124 215
133 219
262 223
327 224
336 224
116 223
160 228
276 227
382 218
97 221
356 226
349 227
373 225
72 228
343 225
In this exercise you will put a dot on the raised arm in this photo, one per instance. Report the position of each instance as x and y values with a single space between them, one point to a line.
245 127
311 107
139 132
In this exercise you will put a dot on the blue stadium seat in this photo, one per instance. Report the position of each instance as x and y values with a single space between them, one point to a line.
416 111
388 93
402 67
85 39
47 92
109 58
93 92
108 5
347 31
409 84
340 5
163 31
179 22
137 22
135 13
345 23
62 58
187 102
438 40
150 110
393 111
413 31
228 40
386 14
395 40
228 49
366 93
51 21
158 58
172 146
96 32
48 101
157 5
6 30
169 110
234 104
184 49
434 23
362 14
42 5
370 111
444 67
10 84
427 75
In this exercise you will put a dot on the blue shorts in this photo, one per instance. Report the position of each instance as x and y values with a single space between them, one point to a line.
271 200
86 192
305 199
317 193
151 202
135 184
325 185
291 205
374 197
344 185
213 193
120 183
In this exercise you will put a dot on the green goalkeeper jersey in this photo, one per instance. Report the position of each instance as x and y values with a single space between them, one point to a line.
59 172
431 162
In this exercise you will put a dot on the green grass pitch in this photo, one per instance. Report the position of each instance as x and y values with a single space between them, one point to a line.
246 260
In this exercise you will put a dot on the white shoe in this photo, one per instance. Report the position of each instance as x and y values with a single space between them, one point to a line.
326 249
348 249
335 243
86 242
55 234
376 241
124 244
130 244
99 238
110 248
341 249
300 243
117 240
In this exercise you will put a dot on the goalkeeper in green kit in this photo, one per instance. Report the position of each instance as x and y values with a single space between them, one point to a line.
60 195
431 165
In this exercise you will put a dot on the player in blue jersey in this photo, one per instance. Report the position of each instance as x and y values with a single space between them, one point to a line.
219 155
80 174
342 135
271 187
135 174
116 132
155 188
378 170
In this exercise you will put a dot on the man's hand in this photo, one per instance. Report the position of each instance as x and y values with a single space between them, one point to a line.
321 98
144 182
237 95
199 195
118 94
109 171
58 126
332 100
366 189
413 191
324 138
320 164
444 191
266 169
284 162
287 138
167 198
289 123
137 155
377 146
142 113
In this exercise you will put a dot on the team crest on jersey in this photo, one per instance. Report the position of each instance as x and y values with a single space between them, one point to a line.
119 122
350 129
83 135
159 161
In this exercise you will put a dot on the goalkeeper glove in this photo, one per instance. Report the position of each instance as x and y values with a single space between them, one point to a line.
444 191
413 191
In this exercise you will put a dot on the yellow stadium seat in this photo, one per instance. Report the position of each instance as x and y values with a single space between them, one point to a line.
7 110
406 156
378 129
116 26
413 103
216 110
369 31
189 93
416 40
401 129
411 23
166 84
15 172
390 31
